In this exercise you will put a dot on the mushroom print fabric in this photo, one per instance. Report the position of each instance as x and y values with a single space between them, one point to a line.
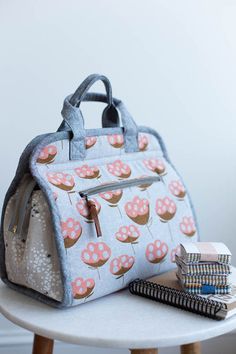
155 165
71 231
177 189
119 169
88 172
82 288
142 142
113 198
90 141
61 180
187 226
138 210
121 265
128 234
96 255
156 252
117 141
47 155
142 218
166 209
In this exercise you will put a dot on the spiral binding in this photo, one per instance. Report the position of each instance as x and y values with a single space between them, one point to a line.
178 298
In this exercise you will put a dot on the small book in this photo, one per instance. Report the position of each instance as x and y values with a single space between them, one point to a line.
203 268
205 252
204 284
215 279
166 289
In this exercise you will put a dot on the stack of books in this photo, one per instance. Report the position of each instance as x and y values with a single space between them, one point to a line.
204 267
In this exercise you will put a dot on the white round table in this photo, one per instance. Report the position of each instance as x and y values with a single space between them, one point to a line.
116 321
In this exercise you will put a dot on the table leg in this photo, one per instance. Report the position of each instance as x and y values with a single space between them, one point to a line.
42 345
191 348
144 351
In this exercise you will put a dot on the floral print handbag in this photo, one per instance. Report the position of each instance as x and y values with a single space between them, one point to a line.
89 210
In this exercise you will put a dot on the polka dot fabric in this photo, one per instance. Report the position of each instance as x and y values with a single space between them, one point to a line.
96 254
138 210
119 169
61 180
82 288
86 171
47 154
71 231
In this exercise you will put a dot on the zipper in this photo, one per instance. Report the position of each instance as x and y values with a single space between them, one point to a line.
24 193
118 185
111 187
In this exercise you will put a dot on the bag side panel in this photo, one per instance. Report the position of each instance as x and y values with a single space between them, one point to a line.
23 168
31 257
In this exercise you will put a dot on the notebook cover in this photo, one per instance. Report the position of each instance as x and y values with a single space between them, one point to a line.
203 268
205 252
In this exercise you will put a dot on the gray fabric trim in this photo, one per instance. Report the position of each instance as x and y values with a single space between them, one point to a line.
83 88
28 158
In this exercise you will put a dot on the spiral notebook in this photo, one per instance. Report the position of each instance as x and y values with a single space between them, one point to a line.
165 288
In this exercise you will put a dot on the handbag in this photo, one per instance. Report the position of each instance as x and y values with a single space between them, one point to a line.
90 210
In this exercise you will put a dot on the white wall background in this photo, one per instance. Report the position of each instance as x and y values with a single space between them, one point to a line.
172 62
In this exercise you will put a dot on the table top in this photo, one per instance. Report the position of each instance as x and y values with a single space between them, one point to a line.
119 320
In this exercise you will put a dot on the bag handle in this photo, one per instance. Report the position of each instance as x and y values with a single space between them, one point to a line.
74 120
81 91
110 117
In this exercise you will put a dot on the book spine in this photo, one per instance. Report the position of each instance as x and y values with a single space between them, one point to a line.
204 279
204 269
206 289
196 257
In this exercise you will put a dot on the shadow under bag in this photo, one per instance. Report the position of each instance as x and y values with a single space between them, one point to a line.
89 210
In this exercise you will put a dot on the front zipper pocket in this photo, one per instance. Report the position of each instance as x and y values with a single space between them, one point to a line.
113 186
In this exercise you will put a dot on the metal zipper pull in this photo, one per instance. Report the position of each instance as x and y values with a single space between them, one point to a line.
94 215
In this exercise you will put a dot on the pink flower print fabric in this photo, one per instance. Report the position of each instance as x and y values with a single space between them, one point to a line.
142 142
47 154
90 141
82 288
138 210
165 208
127 234
96 254
187 226
116 140
61 180
156 251
155 165
71 231
177 189
121 265
88 172
119 169
113 197
83 209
